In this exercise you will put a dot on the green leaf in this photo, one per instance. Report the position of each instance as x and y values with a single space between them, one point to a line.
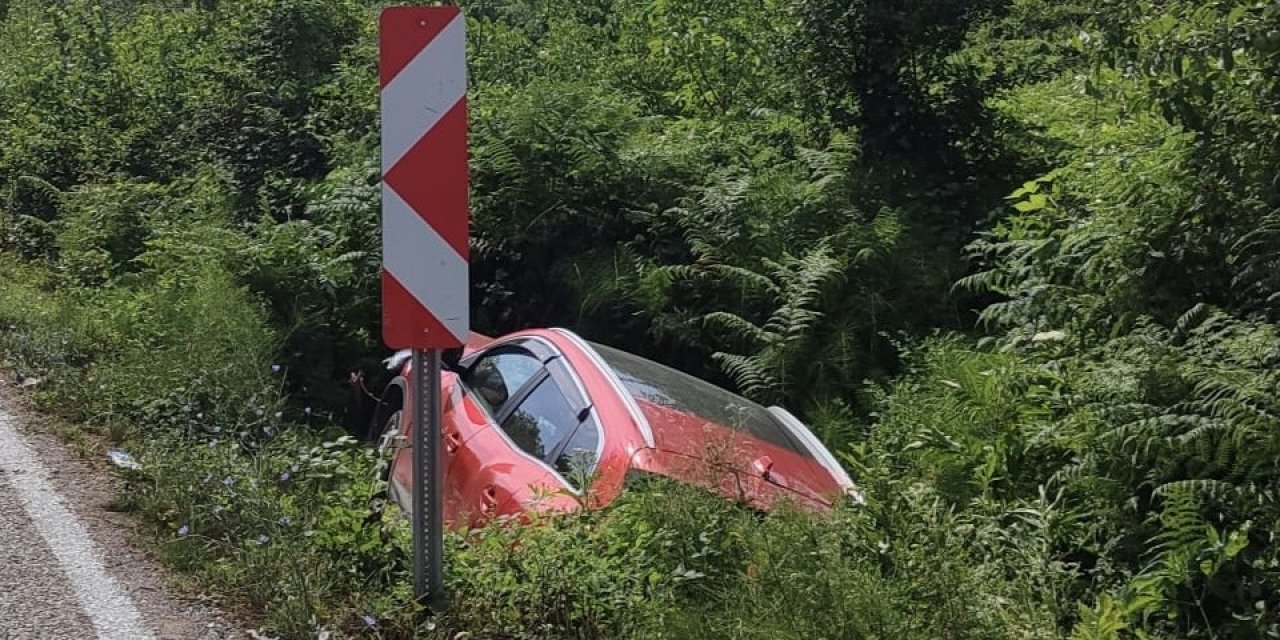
1208 567
1034 203
1236 542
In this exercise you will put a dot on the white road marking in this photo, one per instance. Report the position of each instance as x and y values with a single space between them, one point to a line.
110 610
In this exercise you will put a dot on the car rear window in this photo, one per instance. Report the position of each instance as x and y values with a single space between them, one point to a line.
667 387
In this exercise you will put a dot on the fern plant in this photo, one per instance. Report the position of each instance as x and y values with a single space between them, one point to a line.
778 354
1184 455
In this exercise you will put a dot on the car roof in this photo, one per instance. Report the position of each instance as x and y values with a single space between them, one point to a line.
694 418
660 390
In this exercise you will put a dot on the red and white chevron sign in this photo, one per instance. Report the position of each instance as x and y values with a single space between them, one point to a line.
422 69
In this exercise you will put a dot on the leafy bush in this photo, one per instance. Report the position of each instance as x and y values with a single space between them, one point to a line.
670 561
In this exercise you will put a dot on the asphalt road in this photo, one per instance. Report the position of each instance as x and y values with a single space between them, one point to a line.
68 568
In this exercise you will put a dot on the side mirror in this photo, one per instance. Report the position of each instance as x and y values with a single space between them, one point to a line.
450 358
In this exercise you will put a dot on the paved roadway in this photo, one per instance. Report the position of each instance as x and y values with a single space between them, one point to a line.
68 570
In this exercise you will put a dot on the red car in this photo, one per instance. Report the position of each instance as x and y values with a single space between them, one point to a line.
529 418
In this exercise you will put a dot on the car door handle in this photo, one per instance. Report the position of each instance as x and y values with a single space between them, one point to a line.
452 441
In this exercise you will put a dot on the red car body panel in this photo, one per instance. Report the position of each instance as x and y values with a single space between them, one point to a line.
488 475
695 438
476 341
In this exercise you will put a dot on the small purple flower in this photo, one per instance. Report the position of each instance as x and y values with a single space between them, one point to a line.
307 411
284 521
184 530
228 481
275 368
262 539
284 477
369 620
268 431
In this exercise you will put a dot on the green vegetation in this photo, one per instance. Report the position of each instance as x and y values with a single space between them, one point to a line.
1017 261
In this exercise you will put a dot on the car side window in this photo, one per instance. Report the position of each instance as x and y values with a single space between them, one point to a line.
543 421
497 376
578 456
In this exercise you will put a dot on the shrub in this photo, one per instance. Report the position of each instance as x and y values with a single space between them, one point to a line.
103 228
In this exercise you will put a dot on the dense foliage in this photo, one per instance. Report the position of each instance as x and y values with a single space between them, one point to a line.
1017 261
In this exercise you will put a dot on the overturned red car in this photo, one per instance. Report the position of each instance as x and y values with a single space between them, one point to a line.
528 419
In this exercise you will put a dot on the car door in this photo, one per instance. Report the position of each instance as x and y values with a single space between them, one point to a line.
545 424
469 402
509 421
488 384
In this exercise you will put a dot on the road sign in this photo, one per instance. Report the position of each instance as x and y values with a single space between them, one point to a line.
423 75
422 72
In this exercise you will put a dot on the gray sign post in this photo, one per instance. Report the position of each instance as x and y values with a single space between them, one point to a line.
428 481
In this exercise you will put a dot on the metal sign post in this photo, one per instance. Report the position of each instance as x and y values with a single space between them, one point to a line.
425 239
428 481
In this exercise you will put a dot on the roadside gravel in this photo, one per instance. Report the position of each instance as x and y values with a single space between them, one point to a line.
38 599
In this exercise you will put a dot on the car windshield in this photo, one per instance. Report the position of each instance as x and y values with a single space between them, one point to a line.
667 387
